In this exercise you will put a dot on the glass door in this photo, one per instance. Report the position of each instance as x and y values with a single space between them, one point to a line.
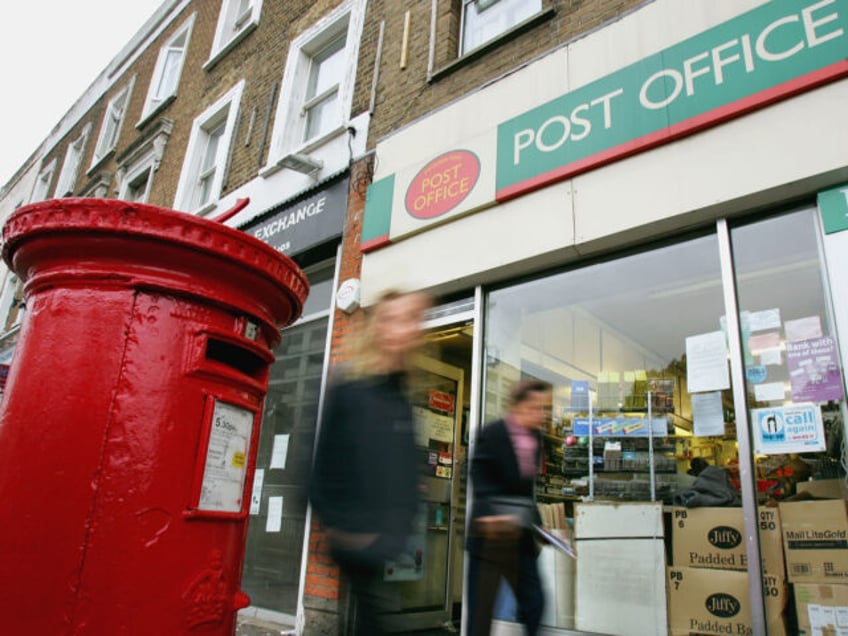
425 576
793 389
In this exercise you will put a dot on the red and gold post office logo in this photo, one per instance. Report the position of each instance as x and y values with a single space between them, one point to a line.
442 184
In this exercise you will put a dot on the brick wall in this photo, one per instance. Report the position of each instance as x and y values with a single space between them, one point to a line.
404 95
323 597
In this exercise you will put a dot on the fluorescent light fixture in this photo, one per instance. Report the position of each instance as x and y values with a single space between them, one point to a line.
301 163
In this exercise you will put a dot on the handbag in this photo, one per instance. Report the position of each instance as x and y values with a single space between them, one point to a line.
524 508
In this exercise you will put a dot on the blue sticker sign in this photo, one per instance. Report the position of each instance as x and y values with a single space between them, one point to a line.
788 429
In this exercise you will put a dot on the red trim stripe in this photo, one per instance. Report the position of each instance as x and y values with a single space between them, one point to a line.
682 129
375 243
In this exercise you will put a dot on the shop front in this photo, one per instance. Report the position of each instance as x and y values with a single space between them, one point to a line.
306 228
642 222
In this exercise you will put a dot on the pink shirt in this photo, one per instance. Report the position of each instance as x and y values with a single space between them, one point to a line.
526 447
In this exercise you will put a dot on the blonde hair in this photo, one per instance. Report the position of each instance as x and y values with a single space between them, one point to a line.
365 360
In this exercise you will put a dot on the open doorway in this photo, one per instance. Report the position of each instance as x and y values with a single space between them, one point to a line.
430 591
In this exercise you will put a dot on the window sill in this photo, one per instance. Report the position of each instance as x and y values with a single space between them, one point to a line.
150 115
507 36
206 209
97 164
304 149
218 55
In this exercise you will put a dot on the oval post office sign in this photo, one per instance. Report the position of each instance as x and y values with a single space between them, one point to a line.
442 184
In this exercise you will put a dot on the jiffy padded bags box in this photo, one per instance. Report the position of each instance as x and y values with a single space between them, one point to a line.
815 541
821 609
707 602
715 538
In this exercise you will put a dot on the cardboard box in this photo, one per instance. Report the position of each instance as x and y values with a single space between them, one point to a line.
821 608
824 488
705 602
815 540
715 538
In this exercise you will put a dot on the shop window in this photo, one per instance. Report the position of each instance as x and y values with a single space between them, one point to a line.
110 129
790 353
485 20
277 527
646 412
317 89
70 168
235 21
43 182
201 179
169 66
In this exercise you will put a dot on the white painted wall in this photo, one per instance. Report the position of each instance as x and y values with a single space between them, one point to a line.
787 151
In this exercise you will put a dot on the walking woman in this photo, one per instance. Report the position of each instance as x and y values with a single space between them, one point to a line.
364 485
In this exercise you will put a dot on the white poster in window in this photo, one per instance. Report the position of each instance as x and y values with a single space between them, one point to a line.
706 363
280 451
230 432
430 425
770 392
803 329
256 495
708 413
274 522
771 357
762 320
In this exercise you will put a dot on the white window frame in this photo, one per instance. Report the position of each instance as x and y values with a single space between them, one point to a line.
117 111
42 183
236 19
7 296
290 119
73 160
157 96
146 165
489 9
224 110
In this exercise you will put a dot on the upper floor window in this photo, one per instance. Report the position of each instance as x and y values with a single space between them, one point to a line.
485 20
137 188
236 20
138 163
70 168
326 72
42 183
317 89
169 66
112 121
202 176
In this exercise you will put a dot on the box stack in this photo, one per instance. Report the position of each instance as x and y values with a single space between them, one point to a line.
815 540
708 581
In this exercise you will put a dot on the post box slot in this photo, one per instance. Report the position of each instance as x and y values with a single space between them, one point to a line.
241 359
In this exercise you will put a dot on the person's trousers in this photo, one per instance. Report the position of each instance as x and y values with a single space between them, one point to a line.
515 562
363 574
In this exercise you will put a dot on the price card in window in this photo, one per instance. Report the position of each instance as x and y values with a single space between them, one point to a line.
224 474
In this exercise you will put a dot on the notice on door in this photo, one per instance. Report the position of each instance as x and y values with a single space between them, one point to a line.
706 363
224 474
788 429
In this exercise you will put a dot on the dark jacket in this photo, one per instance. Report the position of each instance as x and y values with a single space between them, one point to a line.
365 473
712 488
495 472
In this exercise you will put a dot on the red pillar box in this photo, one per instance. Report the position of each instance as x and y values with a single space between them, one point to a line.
130 419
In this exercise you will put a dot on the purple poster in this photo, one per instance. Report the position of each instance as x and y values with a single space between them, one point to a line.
814 374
